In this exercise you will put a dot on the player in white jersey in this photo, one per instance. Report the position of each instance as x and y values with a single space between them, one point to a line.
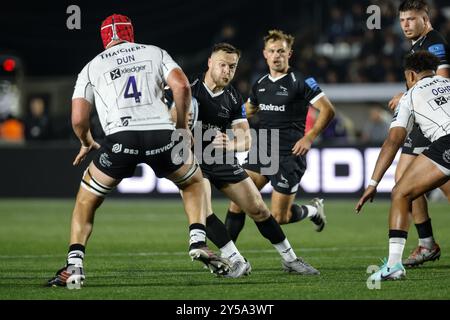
427 104
416 26
126 84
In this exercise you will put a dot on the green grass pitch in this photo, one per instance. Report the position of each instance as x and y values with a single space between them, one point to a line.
139 251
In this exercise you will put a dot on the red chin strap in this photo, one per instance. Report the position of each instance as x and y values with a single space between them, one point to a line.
116 27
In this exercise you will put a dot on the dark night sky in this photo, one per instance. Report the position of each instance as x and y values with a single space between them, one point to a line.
37 31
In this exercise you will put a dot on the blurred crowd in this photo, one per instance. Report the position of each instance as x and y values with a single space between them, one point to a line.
333 45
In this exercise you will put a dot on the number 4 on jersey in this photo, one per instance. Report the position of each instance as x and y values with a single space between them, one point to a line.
134 91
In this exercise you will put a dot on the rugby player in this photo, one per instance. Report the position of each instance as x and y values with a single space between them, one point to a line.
126 82
426 104
282 98
221 107
416 26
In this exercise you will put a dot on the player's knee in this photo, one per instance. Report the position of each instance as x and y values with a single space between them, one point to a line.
399 193
258 211
234 207
280 216
191 177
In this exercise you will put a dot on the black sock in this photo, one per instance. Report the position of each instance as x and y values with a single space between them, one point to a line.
298 213
234 223
75 254
216 231
271 230
200 234
77 247
398 234
424 229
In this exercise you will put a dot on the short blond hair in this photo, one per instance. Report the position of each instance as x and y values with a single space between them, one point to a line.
275 35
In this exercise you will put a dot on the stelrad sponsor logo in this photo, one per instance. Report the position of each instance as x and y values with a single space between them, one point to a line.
272 107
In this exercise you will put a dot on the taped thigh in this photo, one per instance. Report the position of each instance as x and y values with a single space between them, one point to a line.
92 185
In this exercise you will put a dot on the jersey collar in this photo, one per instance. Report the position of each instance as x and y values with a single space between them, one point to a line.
212 94
277 78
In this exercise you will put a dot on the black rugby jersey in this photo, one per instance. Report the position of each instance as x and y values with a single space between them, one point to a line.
283 104
216 111
435 43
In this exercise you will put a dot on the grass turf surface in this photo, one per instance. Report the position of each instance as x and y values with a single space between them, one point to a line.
138 250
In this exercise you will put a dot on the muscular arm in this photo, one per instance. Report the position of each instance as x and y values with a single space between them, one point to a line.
387 154
326 114
179 84
81 109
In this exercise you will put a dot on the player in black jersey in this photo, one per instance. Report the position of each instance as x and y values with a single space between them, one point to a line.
416 27
281 99
221 107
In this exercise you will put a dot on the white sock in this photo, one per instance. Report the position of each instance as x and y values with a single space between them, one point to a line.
197 235
396 246
285 250
427 242
75 257
312 211
230 252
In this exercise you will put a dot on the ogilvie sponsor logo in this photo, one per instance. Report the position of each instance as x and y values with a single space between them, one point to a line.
272 107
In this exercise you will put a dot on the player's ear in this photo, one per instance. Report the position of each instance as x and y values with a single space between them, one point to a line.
290 53
209 63
426 19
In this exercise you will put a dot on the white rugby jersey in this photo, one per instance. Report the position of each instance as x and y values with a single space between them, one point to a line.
427 103
127 83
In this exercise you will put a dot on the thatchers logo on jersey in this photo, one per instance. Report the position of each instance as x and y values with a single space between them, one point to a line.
272 107
446 156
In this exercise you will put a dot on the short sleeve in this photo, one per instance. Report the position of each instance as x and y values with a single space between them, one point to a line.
167 64
253 99
403 116
239 114
312 90
440 50
83 86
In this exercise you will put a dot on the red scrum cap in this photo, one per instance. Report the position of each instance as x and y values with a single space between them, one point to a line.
116 27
